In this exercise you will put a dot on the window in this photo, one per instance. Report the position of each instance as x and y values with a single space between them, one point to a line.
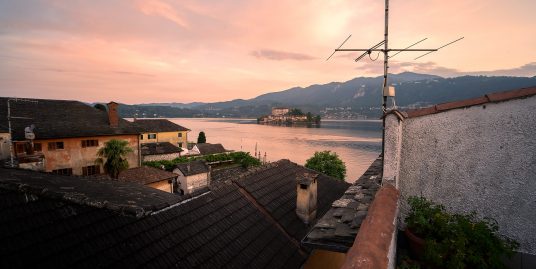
64 171
38 147
141 137
55 145
151 136
180 134
90 143
91 170
180 144
19 148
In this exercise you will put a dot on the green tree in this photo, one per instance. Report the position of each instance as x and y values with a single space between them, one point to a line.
100 107
327 162
114 151
201 138
295 112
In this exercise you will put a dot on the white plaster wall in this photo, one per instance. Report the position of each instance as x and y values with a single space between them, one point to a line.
191 183
481 159
5 140
393 145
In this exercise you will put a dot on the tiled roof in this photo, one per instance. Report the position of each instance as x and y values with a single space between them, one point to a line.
60 119
193 167
159 125
207 148
128 199
337 229
274 187
488 98
145 175
159 148
219 229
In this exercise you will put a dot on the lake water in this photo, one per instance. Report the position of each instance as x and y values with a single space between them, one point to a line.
358 143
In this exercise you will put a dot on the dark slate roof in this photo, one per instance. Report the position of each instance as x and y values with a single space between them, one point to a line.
159 125
274 187
219 229
159 148
207 148
145 175
60 119
337 229
193 167
128 199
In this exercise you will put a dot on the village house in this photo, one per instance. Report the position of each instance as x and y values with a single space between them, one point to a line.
162 130
193 176
5 139
151 177
255 220
159 151
63 137
207 149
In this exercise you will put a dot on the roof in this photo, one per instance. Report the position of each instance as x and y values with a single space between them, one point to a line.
127 199
159 148
159 125
273 186
60 119
337 229
488 98
145 175
207 148
193 167
222 228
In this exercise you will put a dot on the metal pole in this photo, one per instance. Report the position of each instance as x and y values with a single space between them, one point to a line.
385 72
11 162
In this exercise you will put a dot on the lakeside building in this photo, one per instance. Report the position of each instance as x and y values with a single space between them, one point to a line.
159 151
286 116
193 176
162 130
63 137
207 149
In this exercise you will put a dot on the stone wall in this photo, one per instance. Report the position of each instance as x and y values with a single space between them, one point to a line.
160 157
481 158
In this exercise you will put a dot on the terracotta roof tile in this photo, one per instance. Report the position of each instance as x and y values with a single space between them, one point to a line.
491 97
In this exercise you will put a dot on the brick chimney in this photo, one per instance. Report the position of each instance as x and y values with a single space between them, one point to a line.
306 196
113 117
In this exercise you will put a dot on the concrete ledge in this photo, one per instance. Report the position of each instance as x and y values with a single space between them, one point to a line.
373 247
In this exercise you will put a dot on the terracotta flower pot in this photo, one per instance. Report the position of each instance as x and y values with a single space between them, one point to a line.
416 244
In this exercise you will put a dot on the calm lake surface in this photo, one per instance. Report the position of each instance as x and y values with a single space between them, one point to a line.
358 143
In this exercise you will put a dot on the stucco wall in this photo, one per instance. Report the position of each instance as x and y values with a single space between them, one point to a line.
481 158
190 183
161 185
171 137
75 157
4 146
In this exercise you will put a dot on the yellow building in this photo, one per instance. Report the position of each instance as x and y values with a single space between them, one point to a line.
162 130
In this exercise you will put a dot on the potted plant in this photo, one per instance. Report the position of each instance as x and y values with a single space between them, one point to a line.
443 240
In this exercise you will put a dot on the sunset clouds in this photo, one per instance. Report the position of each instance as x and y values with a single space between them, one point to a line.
182 51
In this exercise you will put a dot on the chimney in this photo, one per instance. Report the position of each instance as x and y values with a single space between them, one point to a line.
113 117
306 196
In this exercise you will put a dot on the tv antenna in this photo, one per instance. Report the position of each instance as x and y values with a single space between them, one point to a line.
388 91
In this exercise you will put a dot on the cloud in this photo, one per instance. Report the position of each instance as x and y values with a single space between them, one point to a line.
280 55
159 8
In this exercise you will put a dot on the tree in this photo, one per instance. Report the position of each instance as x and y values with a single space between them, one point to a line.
201 138
327 163
100 107
114 151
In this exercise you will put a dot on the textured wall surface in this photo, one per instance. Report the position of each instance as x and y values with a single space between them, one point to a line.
481 158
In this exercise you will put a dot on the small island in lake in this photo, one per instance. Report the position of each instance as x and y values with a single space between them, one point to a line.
289 116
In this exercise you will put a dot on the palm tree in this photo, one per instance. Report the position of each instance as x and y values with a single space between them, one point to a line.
114 151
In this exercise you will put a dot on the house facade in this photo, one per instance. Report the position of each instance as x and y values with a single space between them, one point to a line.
65 135
162 130
151 177
192 176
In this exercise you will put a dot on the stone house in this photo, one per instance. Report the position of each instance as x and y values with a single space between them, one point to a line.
192 176
159 151
67 135
162 130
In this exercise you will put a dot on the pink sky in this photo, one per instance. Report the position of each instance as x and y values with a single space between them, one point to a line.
206 50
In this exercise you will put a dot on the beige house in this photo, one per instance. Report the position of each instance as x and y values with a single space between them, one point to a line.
193 176
66 135
162 130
